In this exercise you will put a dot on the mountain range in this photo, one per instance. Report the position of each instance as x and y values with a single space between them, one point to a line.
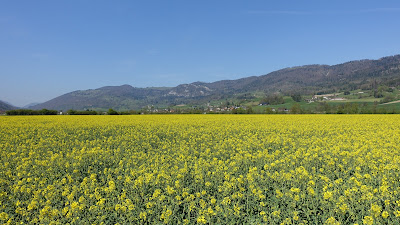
305 80
4 106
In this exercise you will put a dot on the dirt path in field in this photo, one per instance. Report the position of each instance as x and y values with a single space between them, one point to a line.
391 102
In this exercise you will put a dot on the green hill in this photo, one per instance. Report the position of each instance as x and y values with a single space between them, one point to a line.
370 76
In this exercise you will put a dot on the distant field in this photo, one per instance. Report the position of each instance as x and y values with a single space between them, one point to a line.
387 103
188 169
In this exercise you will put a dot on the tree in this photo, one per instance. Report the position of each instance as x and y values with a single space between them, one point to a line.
47 112
238 110
324 107
272 100
296 97
71 112
249 110
31 112
84 112
296 109
269 110
378 94
112 112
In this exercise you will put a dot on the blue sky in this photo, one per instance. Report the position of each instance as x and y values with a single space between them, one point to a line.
49 48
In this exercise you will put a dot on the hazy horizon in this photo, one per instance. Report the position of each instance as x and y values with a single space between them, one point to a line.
50 48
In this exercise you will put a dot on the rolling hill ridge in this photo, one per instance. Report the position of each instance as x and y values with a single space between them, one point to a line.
305 80
6 106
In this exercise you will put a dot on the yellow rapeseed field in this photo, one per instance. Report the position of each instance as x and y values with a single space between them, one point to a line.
200 169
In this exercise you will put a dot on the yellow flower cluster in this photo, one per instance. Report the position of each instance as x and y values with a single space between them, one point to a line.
204 169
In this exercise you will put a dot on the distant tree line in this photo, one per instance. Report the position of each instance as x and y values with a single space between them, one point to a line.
82 112
239 110
272 100
346 108
321 108
21 112
109 112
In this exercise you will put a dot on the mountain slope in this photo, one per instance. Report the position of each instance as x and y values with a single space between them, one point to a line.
311 78
5 106
119 97
303 79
